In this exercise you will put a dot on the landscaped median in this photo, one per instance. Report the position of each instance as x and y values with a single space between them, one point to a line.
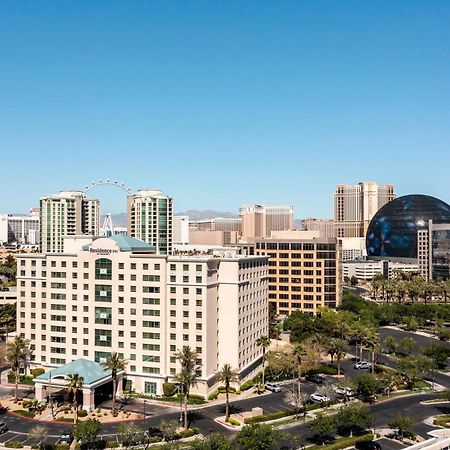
341 443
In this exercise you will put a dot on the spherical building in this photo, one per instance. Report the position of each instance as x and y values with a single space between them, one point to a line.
392 233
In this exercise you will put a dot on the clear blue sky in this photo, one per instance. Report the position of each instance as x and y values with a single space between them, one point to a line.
224 103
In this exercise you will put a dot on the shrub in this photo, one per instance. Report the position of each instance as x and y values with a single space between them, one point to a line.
234 422
343 443
24 413
222 389
13 444
27 403
247 385
112 444
82 413
169 389
188 433
38 371
213 395
64 419
270 416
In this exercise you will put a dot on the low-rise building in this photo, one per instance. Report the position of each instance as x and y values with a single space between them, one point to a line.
365 270
116 294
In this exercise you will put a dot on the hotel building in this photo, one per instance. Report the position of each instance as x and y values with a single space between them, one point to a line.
150 219
20 229
355 206
68 214
116 294
304 272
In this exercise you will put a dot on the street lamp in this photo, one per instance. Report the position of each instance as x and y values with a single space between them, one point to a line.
144 407
181 404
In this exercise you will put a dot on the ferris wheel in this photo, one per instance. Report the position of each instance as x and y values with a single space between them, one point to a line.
108 182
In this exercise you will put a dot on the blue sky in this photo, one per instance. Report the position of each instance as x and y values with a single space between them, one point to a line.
224 103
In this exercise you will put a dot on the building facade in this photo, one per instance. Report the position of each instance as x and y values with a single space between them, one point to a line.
180 230
116 294
355 205
218 224
304 274
325 227
260 220
18 229
433 251
366 270
150 219
69 213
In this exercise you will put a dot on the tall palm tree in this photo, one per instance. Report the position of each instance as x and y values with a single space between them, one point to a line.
115 364
341 349
73 386
188 375
264 343
17 354
299 353
372 343
227 375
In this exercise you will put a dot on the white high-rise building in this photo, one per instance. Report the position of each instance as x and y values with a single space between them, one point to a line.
69 213
116 294
20 229
355 206
181 230
150 219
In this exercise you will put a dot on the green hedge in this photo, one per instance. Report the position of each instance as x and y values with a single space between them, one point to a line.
63 419
270 416
38 371
442 420
194 399
82 413
188 433
213 395
23 379
247 385
112 444
343 443
24 413
234 422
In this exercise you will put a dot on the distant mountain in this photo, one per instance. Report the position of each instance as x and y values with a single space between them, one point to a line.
195 214
120 220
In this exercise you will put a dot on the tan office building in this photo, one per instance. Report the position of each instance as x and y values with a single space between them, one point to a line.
116 294
150 219
304 274
260 220
69 213
355 206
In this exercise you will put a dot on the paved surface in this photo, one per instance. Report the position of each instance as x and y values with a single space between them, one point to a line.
389 444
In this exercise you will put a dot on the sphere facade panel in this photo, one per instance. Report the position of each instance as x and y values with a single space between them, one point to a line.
393 230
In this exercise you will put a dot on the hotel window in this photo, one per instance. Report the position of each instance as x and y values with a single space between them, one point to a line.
103 269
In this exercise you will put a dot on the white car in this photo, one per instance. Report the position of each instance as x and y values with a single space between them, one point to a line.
319 398
344 391
361 365
273 387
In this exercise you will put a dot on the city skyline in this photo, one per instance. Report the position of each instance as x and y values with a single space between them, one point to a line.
209 102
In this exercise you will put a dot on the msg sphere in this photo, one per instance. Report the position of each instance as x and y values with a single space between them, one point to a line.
393 229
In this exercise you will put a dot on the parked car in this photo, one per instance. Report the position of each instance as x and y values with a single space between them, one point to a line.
368 445
344 391
273 387
362 365
314 378
319 398
66 437
3 427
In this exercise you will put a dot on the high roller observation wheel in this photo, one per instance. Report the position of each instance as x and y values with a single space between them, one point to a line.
109 183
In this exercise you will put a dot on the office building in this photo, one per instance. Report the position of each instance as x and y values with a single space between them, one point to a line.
180 230
259 221
366 270
150 219
325 227
355 205
20 229
304 272
433 251
116 294
69 213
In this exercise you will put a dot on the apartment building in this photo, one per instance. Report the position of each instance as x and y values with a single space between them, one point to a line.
180 230
260 220
355 206
150 219
304 273
433 251
69 213
117 294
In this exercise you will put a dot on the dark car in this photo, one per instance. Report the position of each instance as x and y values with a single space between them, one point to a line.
66 437
368 445
3 427
314 378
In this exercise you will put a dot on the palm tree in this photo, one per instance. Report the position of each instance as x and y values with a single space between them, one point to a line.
341 349
115 364
372 343
17 353
359 332
227 375
73 386
188 375
263 342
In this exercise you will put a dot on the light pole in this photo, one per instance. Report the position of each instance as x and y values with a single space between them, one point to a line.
181 404
144 407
